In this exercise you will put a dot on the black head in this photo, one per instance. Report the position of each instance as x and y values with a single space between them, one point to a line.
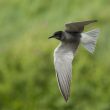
57 35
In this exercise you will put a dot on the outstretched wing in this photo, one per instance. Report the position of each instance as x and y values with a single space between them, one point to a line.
63 67
78 26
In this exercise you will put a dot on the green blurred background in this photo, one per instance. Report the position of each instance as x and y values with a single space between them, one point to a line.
27 76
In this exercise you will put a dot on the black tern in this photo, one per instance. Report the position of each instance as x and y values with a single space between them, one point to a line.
70 39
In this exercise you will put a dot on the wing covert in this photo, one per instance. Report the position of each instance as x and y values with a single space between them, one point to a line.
78 26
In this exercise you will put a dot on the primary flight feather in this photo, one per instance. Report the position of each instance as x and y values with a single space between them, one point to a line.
64 54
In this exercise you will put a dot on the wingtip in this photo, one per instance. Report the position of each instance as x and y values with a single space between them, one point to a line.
93 21
66 99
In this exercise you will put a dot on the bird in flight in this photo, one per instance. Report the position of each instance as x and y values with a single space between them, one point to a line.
70 39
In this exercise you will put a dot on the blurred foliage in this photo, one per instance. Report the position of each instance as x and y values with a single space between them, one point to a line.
27 76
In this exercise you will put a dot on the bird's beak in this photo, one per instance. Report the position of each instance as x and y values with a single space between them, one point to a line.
50 37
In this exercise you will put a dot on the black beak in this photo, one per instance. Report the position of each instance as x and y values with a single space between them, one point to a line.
51 37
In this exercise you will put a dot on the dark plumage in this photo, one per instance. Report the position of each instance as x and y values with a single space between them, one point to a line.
70 39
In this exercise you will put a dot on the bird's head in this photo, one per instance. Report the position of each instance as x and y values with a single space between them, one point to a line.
58 35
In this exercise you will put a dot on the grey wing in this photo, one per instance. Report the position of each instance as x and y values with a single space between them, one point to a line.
78 26
63 67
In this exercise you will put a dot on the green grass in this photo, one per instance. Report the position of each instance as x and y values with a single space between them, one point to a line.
27 76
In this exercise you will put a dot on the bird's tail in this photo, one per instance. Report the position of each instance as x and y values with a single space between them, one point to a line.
88 39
